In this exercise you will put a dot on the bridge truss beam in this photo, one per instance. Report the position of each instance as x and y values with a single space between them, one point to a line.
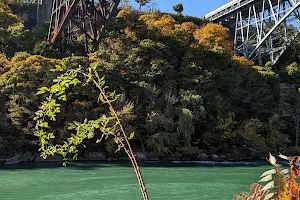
87 17
262 29
265 31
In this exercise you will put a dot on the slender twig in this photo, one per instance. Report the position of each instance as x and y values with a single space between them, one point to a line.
127 149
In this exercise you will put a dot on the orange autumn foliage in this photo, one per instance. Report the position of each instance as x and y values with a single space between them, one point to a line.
189 27
282 184
213 37
166 26
243 60
128 16
130 33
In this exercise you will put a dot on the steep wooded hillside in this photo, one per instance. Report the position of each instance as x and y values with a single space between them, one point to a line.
190 92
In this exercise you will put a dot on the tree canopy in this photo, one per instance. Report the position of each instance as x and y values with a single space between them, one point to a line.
178 8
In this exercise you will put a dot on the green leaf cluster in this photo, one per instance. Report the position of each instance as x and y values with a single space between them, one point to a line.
102 127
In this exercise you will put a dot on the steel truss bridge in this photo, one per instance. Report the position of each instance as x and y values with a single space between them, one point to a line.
88 17
261 29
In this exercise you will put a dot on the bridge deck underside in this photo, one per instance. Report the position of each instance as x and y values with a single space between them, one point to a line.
242 5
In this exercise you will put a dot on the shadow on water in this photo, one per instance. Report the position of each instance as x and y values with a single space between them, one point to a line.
93 165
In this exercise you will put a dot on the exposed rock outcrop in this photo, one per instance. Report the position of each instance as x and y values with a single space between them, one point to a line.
216 158
55 158
140 156
97 156
202 157
21 157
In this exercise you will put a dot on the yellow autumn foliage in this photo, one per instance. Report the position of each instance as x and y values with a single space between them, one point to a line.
149 18
125 13
128 16
214 36
165 24
3 63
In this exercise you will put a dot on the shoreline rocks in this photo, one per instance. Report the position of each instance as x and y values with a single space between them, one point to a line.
216 158
96 156
55 158
202 157
141 157
21 157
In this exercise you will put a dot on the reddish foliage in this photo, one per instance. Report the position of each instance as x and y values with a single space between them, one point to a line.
282 185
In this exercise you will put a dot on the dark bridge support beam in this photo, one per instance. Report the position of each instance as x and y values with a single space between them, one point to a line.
69 17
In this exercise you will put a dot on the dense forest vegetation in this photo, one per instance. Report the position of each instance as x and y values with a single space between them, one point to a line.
191 94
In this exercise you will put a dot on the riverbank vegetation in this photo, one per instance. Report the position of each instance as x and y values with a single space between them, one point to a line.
190 93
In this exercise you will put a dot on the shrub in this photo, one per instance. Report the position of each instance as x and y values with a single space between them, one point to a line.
45 49
3 63
18 85
242 60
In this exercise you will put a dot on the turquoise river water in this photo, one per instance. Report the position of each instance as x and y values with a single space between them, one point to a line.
117 181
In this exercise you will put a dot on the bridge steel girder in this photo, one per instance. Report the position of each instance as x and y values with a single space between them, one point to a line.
85 16
262 29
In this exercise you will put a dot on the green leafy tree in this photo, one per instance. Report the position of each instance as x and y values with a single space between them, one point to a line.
290 101
7 18
178 8
142 2
18 89
33 37
10 30
3 63
45 49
